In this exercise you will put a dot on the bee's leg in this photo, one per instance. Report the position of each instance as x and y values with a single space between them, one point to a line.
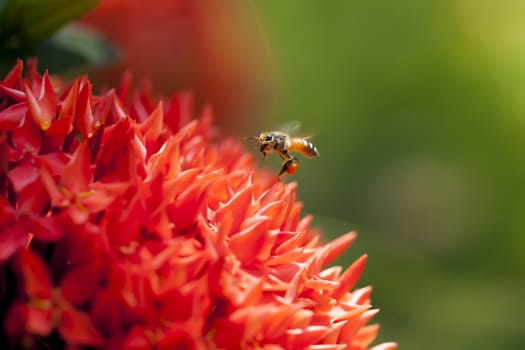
264 155
289 166
286 164
285 156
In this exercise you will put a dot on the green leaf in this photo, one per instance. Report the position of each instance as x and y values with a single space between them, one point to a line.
73 50
23 23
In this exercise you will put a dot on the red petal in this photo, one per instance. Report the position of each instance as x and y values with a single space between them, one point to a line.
77 329
46 229
69 103
228 334
275 212
113 157
152 128
117 109
27 138
135 287
292 240
81 283
15 94
95 142
13 116
12 83
240 288
366 335
279 319
179 111
51 187
84 114
123 223
181 336
296 285
22 176
32 69
124 86
11 239
45 108
137 338
301 338
254 242
320 284
55 162
47 98
98 200
334 334
39 321
141 102
78 215
360 296
14 76
35 275
16 319
77 174
352 327
285 258
232 214
21 319
338 246
183 212
385 346
165 161
63 124
350 277
7 212
106 311
34 198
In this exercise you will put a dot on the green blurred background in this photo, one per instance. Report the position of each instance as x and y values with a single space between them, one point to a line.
418 110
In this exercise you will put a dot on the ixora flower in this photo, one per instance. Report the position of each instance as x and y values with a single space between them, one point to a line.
125 224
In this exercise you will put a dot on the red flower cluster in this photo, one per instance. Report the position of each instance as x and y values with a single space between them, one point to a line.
126 225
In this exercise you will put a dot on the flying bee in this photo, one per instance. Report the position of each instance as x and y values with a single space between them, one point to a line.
282 143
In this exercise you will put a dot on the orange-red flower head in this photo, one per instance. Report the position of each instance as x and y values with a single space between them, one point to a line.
127 224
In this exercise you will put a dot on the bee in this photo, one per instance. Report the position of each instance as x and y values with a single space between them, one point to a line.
282 143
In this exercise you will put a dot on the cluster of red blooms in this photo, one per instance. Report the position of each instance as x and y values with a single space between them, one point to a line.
124 224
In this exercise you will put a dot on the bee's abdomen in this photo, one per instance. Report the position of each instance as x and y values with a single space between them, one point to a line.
304 147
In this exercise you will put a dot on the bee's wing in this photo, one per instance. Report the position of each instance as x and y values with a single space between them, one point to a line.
291 127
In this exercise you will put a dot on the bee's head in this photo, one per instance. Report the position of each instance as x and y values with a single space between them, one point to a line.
263 140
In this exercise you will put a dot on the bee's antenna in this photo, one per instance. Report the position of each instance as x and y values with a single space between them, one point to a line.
251 138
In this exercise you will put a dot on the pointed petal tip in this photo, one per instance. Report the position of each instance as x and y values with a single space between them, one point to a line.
385 346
